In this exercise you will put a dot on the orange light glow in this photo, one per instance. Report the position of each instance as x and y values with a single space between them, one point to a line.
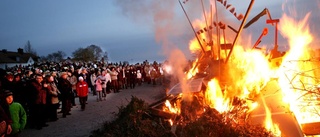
296 74
215 98
250 70
194 45
193 71
173 109
269 125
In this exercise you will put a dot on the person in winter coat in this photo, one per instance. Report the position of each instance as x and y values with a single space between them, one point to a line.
38 96
5 117
147 70
127 77
18 114
133 76
108 85
98 87
93 77
5 123
139 77
65 88
105 78
82 91
73 80
19 92
114 79
52 98
120 78
153 76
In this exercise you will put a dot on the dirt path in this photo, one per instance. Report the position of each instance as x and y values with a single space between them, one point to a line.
81 123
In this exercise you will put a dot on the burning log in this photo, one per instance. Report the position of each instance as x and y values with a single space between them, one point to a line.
157 107
197 117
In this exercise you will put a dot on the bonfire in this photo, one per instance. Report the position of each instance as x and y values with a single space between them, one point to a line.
247 84
233 89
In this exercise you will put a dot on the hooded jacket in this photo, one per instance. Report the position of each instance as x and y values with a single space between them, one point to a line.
82 89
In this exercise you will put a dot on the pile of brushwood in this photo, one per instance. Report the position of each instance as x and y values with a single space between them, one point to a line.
136 120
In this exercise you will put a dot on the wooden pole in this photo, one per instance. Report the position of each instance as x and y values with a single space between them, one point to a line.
192 27
240 29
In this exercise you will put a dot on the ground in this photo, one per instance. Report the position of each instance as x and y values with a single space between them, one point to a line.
81 123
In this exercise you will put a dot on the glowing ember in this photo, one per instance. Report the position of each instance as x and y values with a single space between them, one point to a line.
173 109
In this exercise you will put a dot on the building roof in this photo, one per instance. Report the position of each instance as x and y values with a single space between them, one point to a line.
15 57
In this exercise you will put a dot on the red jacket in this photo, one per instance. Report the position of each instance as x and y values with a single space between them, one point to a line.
82 89
39 93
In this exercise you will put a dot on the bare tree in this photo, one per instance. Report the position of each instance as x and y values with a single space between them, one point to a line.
105 57
55 56
28 48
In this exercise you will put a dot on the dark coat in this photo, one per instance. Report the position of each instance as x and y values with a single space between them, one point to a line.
38 93
65 88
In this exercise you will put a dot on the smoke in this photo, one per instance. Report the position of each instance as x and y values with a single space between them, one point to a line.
167 23
159 15
178 62
138 11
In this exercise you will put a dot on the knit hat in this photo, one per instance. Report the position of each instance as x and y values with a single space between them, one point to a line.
80 78
7 93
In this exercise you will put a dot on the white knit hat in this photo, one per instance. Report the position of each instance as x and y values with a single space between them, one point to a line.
80 78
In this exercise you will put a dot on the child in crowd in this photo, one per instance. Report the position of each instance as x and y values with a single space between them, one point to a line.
82 90
18 114
99 88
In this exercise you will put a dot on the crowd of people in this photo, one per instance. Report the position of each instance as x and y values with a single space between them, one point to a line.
32 95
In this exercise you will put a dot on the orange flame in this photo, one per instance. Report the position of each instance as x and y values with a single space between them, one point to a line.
269 125
194 44
250 72
193 71
215 97
173 109
295 77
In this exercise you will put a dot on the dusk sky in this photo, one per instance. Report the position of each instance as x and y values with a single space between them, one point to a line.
129 30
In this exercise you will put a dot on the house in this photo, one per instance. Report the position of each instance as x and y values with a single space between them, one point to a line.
10 59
